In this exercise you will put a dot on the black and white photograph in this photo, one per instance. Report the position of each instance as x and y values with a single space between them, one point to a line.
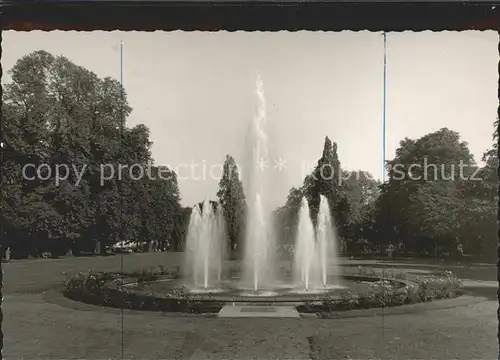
249 195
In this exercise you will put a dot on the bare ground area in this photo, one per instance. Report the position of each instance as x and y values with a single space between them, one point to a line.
38 326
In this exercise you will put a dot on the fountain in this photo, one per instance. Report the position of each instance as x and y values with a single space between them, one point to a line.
327 245
304 247
205 244
219 233
259 244
315 257
314 248
211 286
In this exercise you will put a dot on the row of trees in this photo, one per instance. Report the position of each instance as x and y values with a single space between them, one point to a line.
436 200
443 208
57 113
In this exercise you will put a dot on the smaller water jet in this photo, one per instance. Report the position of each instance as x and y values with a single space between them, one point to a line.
219 234
304 248
315 249
327 245
205 247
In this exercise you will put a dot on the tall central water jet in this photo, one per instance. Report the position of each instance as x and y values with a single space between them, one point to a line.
259 247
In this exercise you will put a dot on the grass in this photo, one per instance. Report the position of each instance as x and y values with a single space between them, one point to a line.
465 332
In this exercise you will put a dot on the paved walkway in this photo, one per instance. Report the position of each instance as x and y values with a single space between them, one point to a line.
258 311
38 324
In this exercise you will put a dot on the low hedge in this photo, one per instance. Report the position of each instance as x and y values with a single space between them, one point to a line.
106 289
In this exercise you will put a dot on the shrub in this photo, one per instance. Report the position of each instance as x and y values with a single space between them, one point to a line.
383 293
180 292
346 302
438 287
86 285
103 289
307 304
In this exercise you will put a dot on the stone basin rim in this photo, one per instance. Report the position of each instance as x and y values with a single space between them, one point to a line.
290 298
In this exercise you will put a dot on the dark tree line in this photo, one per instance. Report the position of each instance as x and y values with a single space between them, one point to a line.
441 210
434 211
55 112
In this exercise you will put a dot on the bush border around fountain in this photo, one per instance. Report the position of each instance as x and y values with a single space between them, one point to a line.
111 289
420 290
114 290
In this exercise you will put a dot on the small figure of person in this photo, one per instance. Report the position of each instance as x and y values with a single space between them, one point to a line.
7 254
343 246
460 249
390 251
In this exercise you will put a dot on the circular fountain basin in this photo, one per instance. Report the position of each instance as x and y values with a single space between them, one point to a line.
229 291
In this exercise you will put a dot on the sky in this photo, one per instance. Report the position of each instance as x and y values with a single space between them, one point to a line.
196 93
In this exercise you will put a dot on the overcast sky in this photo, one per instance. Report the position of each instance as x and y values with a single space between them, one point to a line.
196 92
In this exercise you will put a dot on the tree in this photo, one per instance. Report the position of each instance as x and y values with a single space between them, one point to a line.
325 180
58 113
286 217
481 194
232 198
423 202
361 191
181 224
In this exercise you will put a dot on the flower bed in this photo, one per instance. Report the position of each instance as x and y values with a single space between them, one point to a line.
383 293
110 289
